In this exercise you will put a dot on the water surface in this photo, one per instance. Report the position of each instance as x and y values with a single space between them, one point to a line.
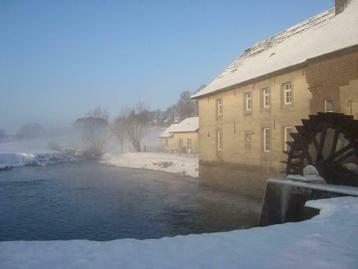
87 200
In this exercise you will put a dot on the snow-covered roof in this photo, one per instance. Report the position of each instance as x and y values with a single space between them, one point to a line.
168 132
187 125
319 35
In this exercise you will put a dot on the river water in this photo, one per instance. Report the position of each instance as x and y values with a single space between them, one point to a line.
88 200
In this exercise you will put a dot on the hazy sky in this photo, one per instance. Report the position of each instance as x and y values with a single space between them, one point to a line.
59 59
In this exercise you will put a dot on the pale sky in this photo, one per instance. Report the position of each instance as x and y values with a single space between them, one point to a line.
59 59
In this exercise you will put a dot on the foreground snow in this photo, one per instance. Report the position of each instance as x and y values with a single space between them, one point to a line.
23 153
172 163
327 241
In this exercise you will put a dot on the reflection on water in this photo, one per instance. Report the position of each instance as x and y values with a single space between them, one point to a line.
86 200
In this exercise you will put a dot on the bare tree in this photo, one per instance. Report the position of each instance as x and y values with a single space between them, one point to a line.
134 121
3 135
119 131
94 132
185 106
98 113
30 130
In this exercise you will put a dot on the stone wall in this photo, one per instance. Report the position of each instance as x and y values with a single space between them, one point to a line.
328 75
235 122
240 167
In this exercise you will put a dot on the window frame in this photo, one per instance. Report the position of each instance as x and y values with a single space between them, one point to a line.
219 141
181 143
286 136
326 101
285 93
189 143
219 107
248 143
266 147
266 93
248 102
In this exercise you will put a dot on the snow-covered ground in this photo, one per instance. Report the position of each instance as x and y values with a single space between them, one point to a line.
172 163
328 240
33 152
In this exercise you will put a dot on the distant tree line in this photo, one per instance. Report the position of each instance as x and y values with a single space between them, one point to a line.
130 125
3 135
183 108
94 132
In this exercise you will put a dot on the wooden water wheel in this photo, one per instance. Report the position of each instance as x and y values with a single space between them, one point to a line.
329 141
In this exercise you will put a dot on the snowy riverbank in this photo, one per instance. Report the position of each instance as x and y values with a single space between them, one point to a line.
171 163
23 153
326 241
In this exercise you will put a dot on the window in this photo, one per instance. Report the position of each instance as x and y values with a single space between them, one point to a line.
248 140
181 142
219 141
287 93
266 98
287 130
266 139
248 101
188 143
219 107
328 105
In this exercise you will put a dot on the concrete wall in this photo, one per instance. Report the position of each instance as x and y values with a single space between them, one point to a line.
285 199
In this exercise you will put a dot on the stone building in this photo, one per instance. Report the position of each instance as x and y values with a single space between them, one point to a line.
181 137
247 113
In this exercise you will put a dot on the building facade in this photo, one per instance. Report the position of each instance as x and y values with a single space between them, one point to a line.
181 137
248 112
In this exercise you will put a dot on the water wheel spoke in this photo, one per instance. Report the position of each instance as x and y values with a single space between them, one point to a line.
307 156
315 144
335 141
340 152
344 157
321 143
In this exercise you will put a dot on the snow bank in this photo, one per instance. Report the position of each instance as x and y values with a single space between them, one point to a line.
327 241
9 160
23 153
170 163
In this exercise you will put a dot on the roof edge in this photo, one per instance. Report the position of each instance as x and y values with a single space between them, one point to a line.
276 72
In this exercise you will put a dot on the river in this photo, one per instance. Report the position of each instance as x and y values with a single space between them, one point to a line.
88 200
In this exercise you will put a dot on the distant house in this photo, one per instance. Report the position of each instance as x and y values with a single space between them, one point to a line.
248 111
181 137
